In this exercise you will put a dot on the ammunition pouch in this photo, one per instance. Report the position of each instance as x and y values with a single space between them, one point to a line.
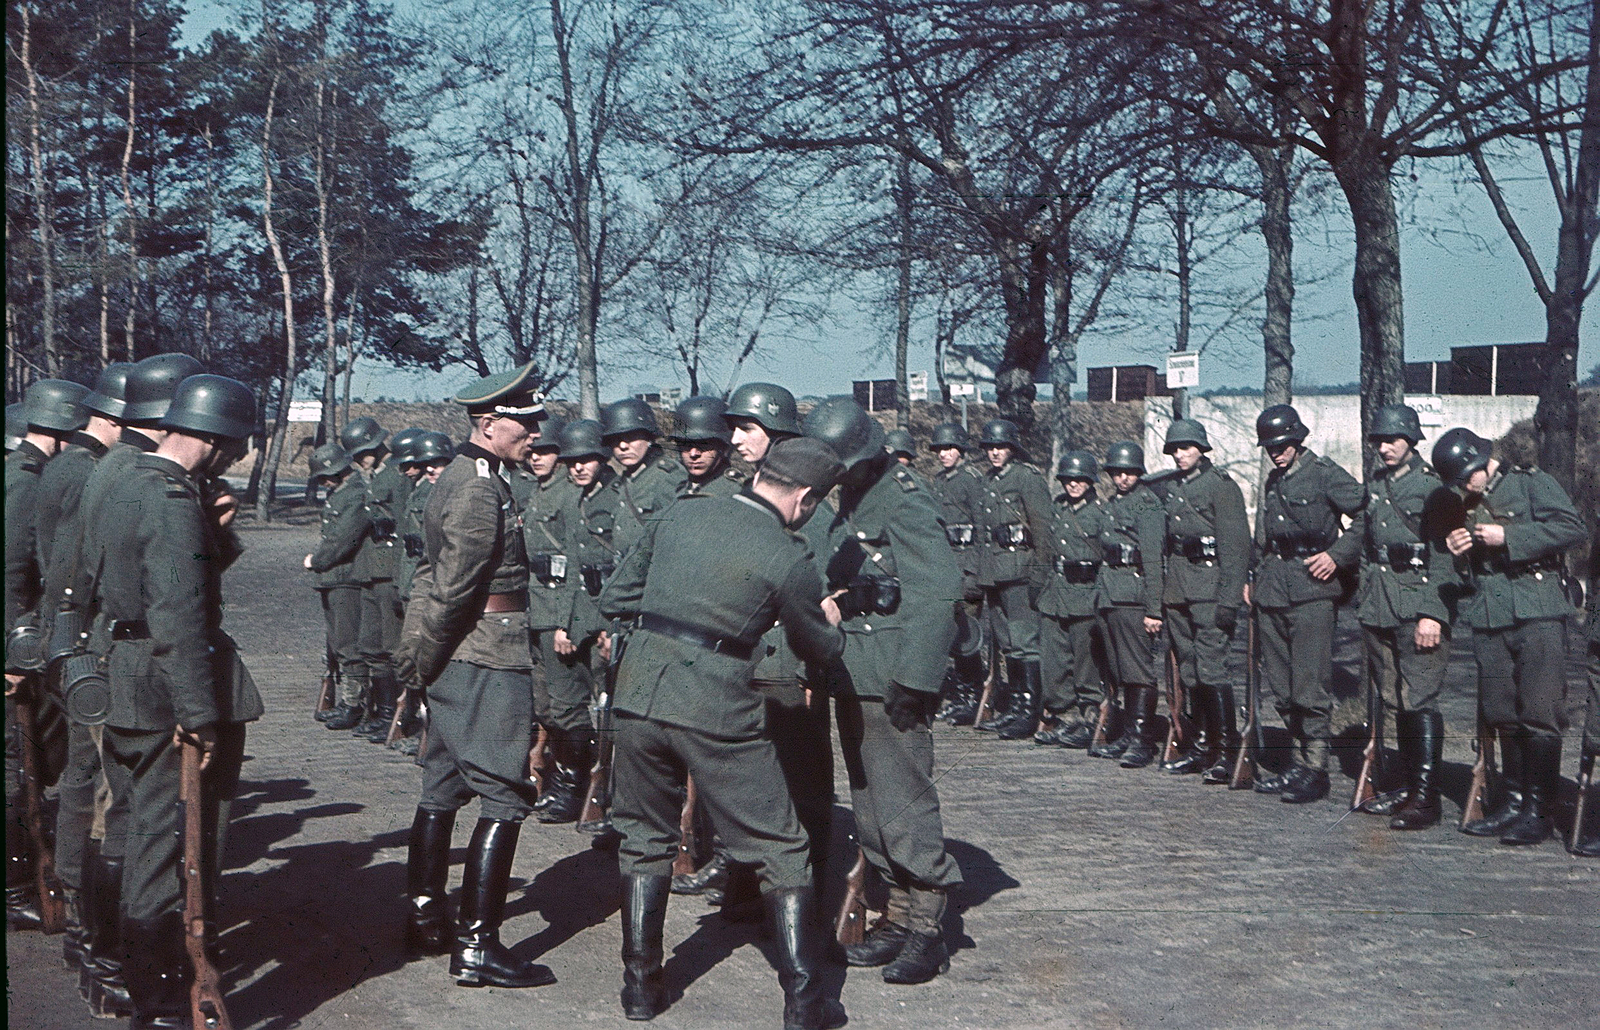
594 575
1298 545
66 635
960 534
85 690
383 528
870 595
413 542
1194 548
1012 534
549 569
25 648
1399 556
1076 571
1119 555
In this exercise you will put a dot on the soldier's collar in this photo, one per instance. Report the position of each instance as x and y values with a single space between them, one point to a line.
758 502
165 464
133 438
88 442
32 451
473 451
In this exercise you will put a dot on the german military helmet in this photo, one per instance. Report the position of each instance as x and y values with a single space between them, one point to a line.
844 425
328 461
1126 456
769 406
700 418
1396 421
949 434
16 426
509 394
401 442
1001 432
630 415
110 394
212 405
361 436
1459 453
150 386
431 448
1078 465
55 406
581 440
1278 425
898 441
549 438
1185 431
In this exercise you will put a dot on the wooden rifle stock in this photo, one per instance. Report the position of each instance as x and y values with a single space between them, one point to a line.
1179 732
597 799
1372 755
397 724
1585 782
52 902
683 862
1478 793
1103 721
1244 764
850 927
984 713
205 993
536 760
330 679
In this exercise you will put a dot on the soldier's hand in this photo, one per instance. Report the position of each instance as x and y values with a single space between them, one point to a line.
1459 542
1319 565
908 709
1152 626
563 643
1489 534
830 608
13 683
1227 618
307 562
204 738
224 506
1428 633
603 642
405 670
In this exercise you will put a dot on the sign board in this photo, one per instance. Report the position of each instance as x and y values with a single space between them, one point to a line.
1183 370
917 386
963 365
874 394
1429 408
305 411
964 390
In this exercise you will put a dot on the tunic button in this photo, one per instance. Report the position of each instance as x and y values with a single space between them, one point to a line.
861 534
867 626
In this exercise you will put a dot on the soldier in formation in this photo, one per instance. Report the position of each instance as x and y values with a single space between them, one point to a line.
1069 650
960 488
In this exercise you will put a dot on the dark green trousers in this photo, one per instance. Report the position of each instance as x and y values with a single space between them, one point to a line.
1591 723
1406 679
1014 620
1070 657
480 728
80 782
1296 665
570 681
1202 647
341 608
740 786
803 740
1128 647
380 627
1522 674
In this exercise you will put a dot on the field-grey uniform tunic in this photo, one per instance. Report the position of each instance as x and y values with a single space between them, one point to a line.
466 632
551 577
1208 555
960 493
1016 505
589 520
1070 655
706 583
387 491
346 522
1130 585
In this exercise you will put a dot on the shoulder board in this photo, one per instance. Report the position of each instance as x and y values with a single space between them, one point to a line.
482 465
907 481
667 464
735 475
970 470
1323 460
31 464
1031 467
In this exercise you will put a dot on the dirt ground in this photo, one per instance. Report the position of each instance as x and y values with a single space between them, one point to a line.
1094 896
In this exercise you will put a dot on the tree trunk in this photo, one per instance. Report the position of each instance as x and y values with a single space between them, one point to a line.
1024 282
1277 386
1380 313
588 273
129 320
902 322
286 394
330 343
44 208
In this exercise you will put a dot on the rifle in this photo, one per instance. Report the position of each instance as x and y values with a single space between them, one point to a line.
1180 733
1585 781
330 679
205 994
1103 721
1478 793
1372 756
850 927
593 818
984 713
1244 764
52 902
536 760
688 844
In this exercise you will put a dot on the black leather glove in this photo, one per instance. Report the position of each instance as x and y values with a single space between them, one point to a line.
908 709
1227 618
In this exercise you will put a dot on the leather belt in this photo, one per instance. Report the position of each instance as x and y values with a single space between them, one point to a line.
663 625
515 601
1077 571
1194 548
1298 546
130 629
1399 556
1119 555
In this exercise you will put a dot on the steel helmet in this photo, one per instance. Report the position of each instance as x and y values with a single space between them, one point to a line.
401 442
949 434
431 448
766 404
212 405
1124 455
1185 431
582 439
1280 424
1396 421
1002 432
16 426
700 418
549 434
1459 453
110 394
328 461
150 386
899 441
55 406
361 436
1078 465
631 415
844 425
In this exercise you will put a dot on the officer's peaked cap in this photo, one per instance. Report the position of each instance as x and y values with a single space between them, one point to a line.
507 393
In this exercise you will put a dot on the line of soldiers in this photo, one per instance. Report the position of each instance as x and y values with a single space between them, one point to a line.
118 530
1079 591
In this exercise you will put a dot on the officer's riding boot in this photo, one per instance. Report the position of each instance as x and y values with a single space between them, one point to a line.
22 900
427 869
1025 712
969 687
479 958
925 955
386 696
1202 753
569 765
711 876
101 983
1541 770
886 936
1422 808
805 1006
1004 700
157 972
1512 745
644 914
1221 771
1141 734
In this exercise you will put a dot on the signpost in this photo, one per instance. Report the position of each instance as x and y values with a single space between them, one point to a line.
1183 370
964 391
917 386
